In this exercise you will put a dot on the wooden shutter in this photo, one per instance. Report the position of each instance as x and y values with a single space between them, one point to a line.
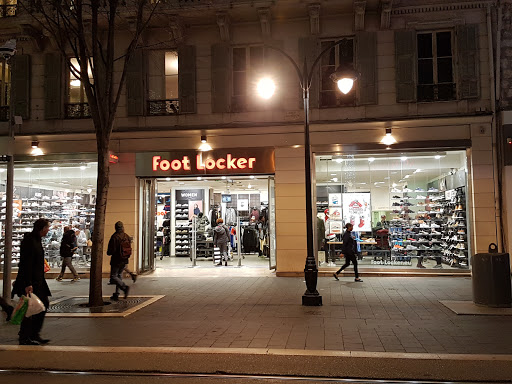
221 78
135 84
309 47
52 86
187 78
21 85
405 61
366 64
468 79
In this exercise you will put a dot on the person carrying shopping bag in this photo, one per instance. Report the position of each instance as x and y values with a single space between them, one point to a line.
221 240
349 249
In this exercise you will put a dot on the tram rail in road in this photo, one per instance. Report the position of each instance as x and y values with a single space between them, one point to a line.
94 377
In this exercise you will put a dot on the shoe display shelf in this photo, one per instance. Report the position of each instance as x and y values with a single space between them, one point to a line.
182 231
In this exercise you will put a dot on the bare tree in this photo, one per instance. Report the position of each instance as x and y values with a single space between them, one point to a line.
90 30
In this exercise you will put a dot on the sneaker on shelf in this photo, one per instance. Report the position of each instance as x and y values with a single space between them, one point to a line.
432 189
434 225
419 190
407 190
396 197
420 197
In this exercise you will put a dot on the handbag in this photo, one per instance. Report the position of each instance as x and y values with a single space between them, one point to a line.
89 243
46 266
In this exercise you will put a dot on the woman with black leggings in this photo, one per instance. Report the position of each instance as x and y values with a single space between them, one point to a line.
348 249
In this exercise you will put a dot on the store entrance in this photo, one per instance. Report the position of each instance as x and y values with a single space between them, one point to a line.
181 234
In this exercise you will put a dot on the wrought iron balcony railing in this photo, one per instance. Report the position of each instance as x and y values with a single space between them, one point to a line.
4 113
77 111
163 107
7 10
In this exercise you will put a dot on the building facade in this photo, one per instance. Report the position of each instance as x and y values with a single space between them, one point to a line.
426 73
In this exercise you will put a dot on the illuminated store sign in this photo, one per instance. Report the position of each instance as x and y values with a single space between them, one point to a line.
218 162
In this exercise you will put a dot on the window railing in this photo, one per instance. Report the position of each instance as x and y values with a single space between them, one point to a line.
437 92
77 111
7 10
163 107
4 113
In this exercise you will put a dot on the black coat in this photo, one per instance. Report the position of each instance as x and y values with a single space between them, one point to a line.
349 244
114 248
31 268
68 243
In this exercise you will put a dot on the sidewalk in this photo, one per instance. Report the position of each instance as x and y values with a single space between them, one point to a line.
382 314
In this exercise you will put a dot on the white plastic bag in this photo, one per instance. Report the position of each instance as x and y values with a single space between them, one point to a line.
35 305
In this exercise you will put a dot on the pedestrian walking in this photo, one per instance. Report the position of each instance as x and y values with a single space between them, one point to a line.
67 247
221 240
7 308
348 249
30 279
119 249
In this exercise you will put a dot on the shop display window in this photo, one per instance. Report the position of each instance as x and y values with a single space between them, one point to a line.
408 210
62 192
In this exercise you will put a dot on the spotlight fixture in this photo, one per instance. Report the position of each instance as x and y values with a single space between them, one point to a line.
204 145
36 151
388 139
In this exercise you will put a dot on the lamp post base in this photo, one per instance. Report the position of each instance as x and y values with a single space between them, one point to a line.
311 299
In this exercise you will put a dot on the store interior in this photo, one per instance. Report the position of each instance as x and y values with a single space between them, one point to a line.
409 210
63 192
186 214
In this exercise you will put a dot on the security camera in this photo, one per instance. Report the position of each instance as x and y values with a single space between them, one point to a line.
8 49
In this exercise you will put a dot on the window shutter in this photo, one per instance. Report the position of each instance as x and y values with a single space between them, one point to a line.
366 64
52 86
135 84
405 61
309 47
21 85
187 78
468 79
221 78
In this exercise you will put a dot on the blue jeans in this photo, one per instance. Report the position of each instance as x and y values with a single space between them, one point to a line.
116 276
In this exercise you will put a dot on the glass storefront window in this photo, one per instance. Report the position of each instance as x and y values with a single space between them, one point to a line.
408 210
62 192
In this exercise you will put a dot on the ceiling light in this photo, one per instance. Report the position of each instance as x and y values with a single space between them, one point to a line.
223 177
199 177
36 151
403 158
437 157
82 167
167 179
371 159
339 160
335 179
28 169
204 145
55 168
388 138
249 186
89 190
252 177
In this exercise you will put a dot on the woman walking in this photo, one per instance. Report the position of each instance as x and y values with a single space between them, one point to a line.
349 250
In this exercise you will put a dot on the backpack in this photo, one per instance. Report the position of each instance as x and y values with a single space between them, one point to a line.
125 247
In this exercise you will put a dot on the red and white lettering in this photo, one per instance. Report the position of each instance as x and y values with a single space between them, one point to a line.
252 160
241 163
220 163
155 162
209 164
199 163
176 165
165 165
186 163
231 162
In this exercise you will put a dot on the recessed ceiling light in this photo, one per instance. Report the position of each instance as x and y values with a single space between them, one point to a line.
333 174
403 158
371 159
338 160
437 157
223 177
252 177
28 169
199 177
82 167
167 179
55 168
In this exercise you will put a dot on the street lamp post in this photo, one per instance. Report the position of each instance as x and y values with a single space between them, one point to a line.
345 80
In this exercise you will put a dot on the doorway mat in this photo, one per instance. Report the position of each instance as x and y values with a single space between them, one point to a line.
470 308
75 306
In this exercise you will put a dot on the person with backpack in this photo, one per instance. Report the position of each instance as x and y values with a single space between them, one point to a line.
119 249
221 240
67 247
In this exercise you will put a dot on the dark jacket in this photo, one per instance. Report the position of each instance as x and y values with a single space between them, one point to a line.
220 234
349 244
114 248
31 268
68 243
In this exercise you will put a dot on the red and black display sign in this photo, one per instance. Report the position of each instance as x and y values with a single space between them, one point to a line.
240 161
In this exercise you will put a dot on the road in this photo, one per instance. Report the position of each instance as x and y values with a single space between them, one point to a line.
108 378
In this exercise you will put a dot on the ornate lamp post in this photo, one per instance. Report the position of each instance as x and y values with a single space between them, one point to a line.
345 79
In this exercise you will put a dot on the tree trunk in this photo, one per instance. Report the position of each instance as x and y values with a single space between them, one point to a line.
95 285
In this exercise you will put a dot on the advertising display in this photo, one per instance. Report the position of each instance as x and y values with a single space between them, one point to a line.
357 211
335 199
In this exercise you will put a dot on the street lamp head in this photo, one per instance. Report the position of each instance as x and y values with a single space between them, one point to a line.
344 78
266 88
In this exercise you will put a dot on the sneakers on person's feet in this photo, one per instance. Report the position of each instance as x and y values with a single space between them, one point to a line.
59 278
75 279
335 277
358 280
126 290
114 297
40 340
28 342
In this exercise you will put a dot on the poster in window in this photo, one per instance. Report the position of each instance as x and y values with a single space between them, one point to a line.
357 210
335 226
335 199
242 204
335 213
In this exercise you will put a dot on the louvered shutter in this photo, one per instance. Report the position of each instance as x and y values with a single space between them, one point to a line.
468 79
135 84
21 85
366 64
405 61
53 86
187 78
221 78
309 47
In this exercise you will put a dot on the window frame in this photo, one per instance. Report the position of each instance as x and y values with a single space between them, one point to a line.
73 109
8 8
162 105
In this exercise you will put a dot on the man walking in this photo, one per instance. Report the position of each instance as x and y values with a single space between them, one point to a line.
119 249
349 251
31 279
67 247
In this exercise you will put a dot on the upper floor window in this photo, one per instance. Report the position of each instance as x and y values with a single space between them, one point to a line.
8 8
77 106
248 66
342 54
163 88
5 90
435 66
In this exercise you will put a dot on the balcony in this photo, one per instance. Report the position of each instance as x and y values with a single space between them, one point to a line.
437 92
163 107
77 111
7 10
4 113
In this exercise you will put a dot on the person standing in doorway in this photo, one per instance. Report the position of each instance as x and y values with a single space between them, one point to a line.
348 249
31 279
119 249
221 240
67 247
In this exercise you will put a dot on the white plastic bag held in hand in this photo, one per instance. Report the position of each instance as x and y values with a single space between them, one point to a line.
35 305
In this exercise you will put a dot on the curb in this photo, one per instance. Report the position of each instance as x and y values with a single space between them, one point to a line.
276 362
